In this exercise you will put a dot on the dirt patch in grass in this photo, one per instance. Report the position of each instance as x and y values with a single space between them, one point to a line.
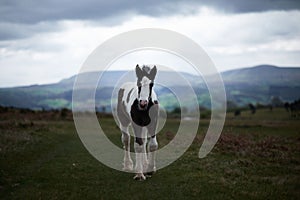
265 147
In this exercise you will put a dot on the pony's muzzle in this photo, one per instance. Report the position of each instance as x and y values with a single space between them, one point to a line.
143 103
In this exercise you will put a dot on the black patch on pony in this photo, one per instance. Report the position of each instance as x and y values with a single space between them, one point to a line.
140 117
139 141
128 96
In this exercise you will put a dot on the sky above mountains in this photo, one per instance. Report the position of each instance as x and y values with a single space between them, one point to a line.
45 41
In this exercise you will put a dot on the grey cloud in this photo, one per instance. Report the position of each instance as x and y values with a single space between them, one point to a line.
32 11
18 31
244 6
20 19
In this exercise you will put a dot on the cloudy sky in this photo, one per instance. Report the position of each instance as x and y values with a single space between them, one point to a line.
45 41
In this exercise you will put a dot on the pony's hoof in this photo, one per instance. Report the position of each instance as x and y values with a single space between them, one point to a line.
139 177
150 171
149 174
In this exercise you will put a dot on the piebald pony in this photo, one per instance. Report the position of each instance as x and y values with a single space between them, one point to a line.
138 107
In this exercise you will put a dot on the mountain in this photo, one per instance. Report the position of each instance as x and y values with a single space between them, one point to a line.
261 83
110 78
263 75
247 85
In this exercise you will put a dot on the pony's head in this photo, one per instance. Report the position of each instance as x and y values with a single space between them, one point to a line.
145 81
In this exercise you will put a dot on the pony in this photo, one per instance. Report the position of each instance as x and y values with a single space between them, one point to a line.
138 106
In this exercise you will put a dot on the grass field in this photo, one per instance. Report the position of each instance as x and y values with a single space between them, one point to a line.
257 157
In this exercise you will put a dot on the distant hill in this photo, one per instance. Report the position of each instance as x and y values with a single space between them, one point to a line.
260 83
247 85
264 75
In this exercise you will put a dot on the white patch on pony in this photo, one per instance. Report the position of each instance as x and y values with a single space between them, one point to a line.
145 90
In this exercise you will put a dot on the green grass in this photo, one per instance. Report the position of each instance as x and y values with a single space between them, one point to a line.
257 157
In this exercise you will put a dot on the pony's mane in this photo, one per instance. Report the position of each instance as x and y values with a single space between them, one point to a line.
145 80
146 69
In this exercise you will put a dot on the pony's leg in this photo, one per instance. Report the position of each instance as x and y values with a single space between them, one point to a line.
144 155
138 147
152 147
128 164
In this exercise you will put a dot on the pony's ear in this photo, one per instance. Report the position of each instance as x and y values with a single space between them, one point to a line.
138 71
152 73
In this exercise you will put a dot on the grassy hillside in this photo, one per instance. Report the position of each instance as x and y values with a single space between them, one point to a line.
249 85
257 157
264 75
